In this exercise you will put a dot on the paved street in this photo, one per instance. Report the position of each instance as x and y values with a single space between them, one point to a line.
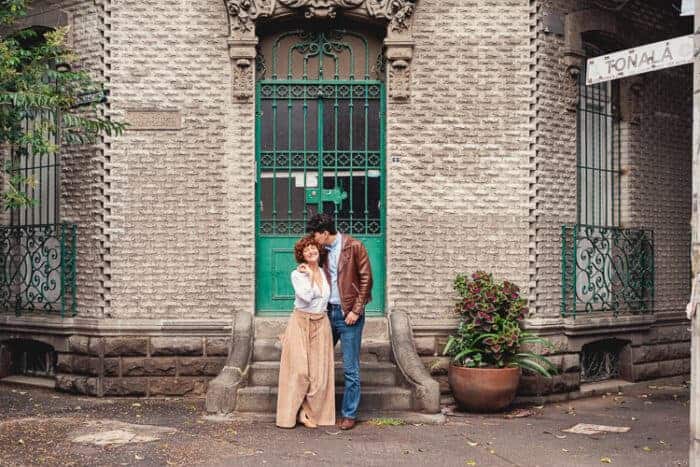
41 427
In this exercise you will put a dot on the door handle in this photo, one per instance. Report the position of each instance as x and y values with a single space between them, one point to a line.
316 195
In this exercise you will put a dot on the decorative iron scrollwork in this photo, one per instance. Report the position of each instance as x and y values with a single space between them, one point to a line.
37 269
607 269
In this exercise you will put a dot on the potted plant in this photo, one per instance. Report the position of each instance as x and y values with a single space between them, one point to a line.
486 349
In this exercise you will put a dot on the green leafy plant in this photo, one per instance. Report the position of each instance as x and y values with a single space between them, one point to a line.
46 99
490 332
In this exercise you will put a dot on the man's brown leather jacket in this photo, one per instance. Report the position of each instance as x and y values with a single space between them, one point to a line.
354 275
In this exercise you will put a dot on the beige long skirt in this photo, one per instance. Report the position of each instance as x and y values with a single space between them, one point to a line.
306 370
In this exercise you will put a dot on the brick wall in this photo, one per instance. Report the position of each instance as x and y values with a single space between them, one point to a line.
458 195
180 228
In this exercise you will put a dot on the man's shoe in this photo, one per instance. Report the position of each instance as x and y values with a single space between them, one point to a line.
347 424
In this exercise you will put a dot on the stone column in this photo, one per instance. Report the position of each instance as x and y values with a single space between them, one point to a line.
695 223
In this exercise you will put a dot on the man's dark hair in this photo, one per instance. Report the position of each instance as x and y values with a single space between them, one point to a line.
321 222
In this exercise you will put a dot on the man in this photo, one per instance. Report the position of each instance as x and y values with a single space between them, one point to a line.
350 277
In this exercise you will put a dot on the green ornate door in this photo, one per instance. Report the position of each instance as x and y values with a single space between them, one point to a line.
319 147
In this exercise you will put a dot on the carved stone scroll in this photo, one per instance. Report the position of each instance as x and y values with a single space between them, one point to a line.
242 53
399 55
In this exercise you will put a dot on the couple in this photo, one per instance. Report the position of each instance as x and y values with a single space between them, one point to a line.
332 286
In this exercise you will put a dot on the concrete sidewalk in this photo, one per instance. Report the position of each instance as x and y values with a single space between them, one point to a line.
39 426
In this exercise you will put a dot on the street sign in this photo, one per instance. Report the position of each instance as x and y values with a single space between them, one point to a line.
98 96
642 59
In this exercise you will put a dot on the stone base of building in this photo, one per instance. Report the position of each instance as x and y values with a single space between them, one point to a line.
126 357
111 357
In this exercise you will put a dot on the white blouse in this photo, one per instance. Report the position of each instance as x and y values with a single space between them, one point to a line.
307 296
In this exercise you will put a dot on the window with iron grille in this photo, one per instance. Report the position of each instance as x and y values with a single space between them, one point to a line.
41 172
598 154
38 253
605 268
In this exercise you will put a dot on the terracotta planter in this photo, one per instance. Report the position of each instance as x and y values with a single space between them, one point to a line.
483 389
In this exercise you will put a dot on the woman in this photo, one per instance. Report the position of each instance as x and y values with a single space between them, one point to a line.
306 391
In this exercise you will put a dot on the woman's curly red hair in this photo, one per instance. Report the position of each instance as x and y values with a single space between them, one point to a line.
301 245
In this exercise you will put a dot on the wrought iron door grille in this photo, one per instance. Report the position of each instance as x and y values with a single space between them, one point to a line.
38 269
320 125
606 269
319 148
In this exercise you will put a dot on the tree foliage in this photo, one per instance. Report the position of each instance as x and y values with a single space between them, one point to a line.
41 83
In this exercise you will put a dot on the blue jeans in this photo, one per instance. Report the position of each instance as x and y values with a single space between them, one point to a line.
350 340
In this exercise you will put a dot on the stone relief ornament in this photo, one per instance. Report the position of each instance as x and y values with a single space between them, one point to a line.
321 8
243 82
242 13
399 82
400 14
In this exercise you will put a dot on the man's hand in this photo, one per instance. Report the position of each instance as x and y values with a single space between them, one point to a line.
351 318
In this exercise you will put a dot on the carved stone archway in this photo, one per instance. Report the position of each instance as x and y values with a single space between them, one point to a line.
395 15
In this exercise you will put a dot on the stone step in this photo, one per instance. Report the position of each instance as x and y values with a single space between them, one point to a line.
270 350
261 399
371 373
376 327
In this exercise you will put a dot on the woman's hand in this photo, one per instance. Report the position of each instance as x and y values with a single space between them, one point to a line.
304 268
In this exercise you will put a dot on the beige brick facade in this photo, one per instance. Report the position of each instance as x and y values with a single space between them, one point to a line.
481 172
458 194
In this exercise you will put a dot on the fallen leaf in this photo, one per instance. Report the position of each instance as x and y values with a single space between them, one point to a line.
333 433
136 404
470 462
606 460
492 451
472 444
564 450
661 441
646 448
138 458
21 441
